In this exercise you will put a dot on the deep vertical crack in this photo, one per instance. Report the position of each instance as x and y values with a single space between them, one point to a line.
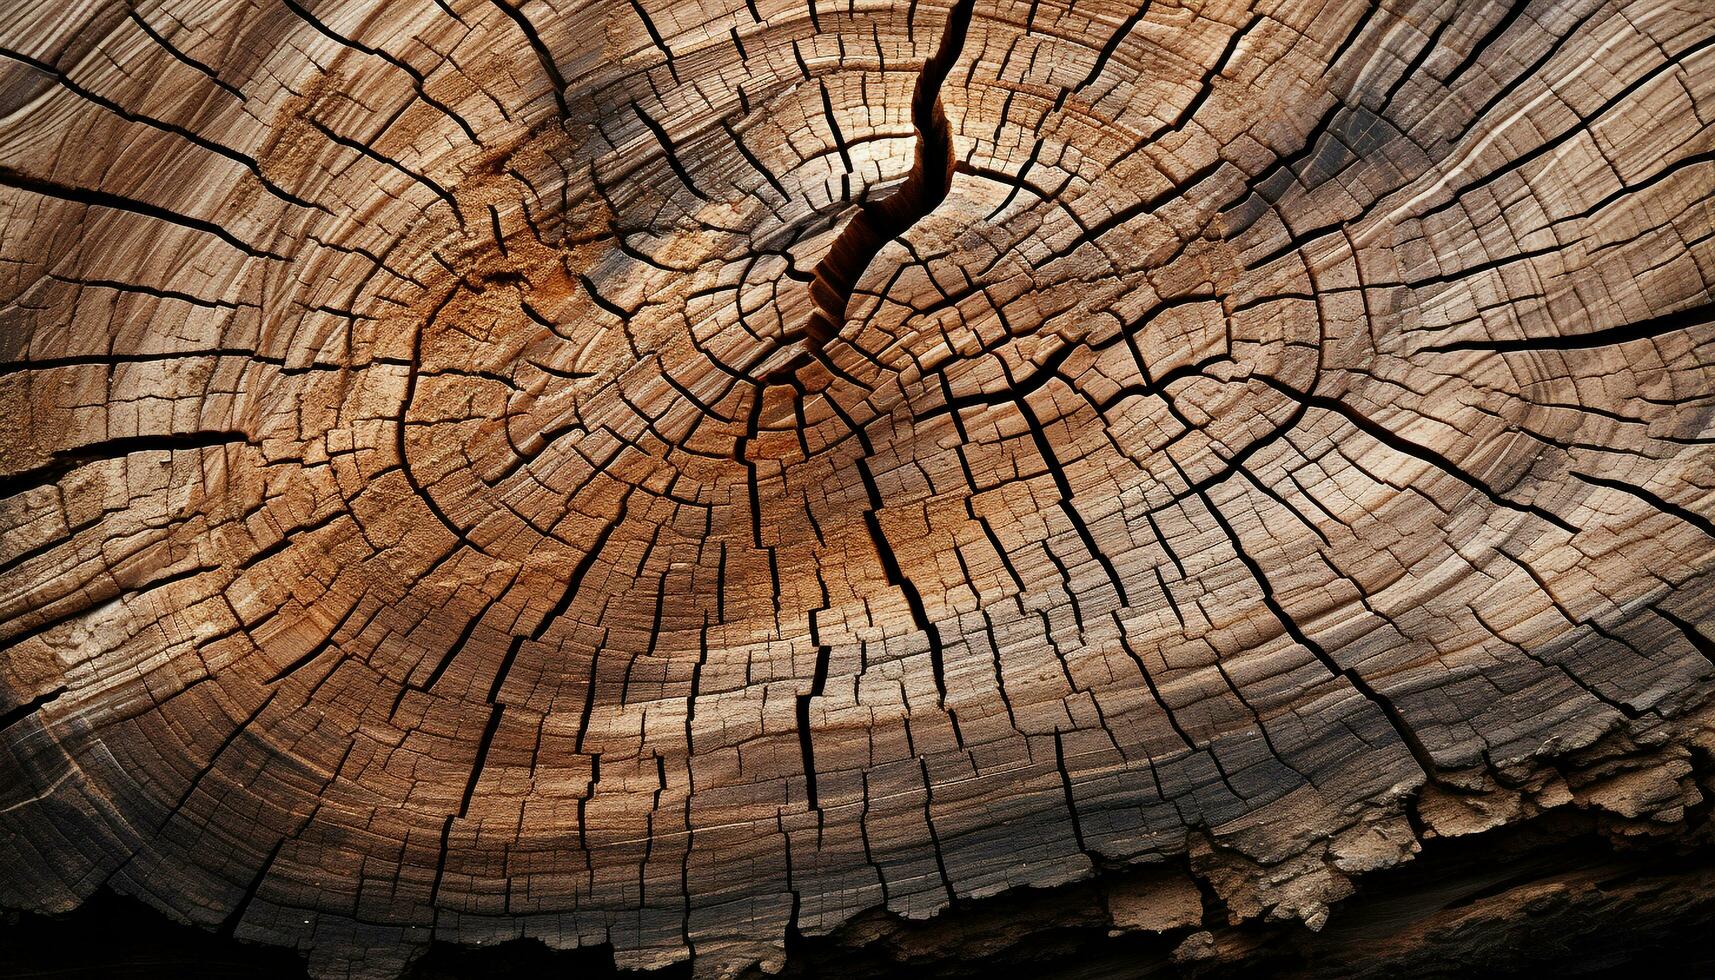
833 279
880 221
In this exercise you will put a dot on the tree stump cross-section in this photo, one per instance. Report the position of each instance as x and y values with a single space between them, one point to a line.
677 475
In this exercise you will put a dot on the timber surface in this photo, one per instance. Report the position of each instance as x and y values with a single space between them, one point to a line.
670 475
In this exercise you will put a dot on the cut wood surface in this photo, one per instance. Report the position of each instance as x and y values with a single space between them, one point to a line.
681 474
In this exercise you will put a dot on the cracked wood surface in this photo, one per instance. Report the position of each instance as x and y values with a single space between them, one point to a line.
673 475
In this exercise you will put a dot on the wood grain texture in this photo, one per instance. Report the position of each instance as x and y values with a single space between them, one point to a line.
676 474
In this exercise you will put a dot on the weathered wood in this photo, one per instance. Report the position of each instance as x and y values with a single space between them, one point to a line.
676 474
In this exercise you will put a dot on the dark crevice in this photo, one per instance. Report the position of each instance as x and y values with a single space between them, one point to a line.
65 460
1167 711
191 136
288 538
1017 182
897 578
1693 635
1514 11
363 149
229 925
30 707
656 38
116 202
1413 69
115 359
755 162
200 67
482 747
1126 214
1057 472
1478 268
316 651
453 650
413 371
878 222
543 55
214 759
96 599
805 745
934 836
574 582
1339 55
156 292
1066 788
1660 503
68 535
1625 190
1110 47
417 78
1685 319
1206 85
671 151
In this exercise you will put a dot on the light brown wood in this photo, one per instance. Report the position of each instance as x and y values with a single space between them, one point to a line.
675 474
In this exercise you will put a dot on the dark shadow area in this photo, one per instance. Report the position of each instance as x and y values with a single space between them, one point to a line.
526 958
1553 897
119 937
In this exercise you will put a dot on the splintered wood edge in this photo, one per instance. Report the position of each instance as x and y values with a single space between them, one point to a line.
678 476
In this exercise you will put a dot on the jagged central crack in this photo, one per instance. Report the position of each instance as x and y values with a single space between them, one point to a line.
833 280
879 222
